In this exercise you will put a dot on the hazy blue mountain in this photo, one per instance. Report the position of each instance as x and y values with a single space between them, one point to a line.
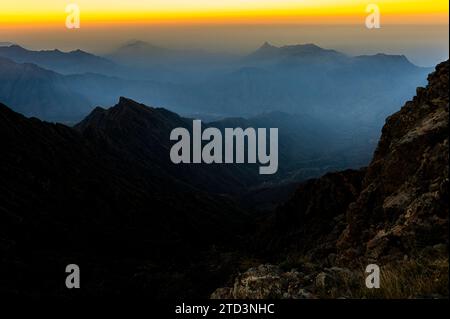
76 61
68 98
320 82
308 146
145 61
140 53
144 54
41 93
302 79
6 44
303 52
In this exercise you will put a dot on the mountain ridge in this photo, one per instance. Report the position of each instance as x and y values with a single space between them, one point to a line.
42 85
66 197
76 61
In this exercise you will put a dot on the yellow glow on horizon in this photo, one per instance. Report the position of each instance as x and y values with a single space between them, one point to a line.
50 12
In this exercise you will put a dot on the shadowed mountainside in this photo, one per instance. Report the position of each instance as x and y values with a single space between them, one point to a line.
65 197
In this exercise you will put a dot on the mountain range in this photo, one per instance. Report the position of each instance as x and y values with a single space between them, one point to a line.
77 61
292 79
48 94
329 107
103 193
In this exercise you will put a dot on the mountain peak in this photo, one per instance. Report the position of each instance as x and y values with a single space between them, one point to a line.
124 101
266 45
268 51
306 48
139 45
15 47
79 52
135 43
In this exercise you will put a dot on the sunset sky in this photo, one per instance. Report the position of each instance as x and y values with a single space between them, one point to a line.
106 23
25 12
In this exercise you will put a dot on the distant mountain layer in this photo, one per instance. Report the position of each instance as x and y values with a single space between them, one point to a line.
34 91
144 54
71 62
140 52
309 79
310 51
308 146
303 79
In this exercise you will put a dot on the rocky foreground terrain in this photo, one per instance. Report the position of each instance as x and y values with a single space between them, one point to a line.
394 213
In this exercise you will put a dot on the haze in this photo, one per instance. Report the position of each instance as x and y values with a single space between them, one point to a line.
417 29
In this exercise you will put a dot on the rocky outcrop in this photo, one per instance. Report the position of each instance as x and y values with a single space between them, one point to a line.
313 218
404 203
394 213
271 282
265 282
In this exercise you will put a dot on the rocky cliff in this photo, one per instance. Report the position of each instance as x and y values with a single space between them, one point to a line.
404 203
394 214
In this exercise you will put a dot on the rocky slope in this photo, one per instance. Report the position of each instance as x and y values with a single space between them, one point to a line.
394 214
404 203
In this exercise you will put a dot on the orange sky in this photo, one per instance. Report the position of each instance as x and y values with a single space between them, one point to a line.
30 13
417 28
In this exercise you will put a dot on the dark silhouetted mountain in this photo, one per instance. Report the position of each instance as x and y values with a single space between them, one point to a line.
66 198
307 147
141 134
34 91
71 62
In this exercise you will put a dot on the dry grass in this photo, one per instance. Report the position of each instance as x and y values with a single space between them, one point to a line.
400 280
412 279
